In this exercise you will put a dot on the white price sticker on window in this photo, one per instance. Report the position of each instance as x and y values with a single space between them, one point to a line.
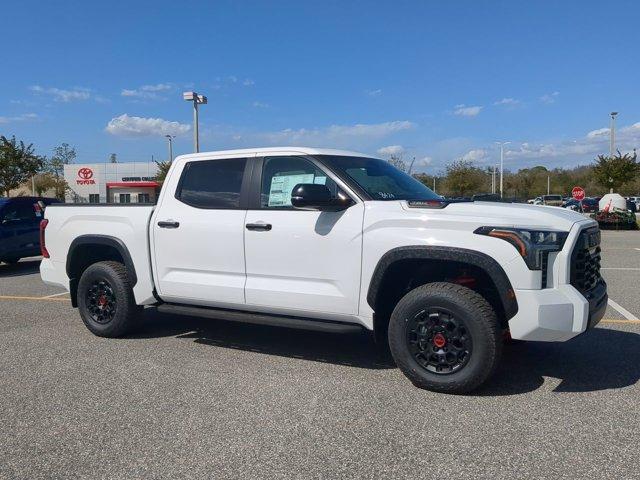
282 186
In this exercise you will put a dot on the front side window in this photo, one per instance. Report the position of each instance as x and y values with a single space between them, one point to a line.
381 180
212 183
281 174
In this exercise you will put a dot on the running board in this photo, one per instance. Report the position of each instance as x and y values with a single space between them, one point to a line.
260 318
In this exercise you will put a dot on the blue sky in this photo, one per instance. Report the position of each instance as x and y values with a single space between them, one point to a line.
436 81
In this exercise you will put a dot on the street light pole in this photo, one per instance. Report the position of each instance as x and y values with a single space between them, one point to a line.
197 99
502 144
170 138
612 131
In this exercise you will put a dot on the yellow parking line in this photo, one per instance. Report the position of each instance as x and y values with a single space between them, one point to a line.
609 320
46 299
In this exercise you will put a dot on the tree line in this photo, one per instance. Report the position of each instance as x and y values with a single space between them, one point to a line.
21 166
462 178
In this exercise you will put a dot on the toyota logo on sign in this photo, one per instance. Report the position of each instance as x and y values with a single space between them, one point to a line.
85 174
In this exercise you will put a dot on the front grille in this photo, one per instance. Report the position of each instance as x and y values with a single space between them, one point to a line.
544 266
585 261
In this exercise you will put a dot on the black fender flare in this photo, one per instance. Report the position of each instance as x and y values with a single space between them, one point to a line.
460 255
102 240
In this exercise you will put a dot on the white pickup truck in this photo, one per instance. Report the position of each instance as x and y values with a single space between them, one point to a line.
333 241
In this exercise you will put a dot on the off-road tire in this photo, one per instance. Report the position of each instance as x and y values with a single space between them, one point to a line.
480 324
124 315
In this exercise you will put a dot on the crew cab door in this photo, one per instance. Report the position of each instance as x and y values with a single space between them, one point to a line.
300 261
198 231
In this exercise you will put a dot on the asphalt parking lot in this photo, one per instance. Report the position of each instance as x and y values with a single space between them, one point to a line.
192 398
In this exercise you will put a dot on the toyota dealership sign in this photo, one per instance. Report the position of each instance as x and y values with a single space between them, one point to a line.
85 176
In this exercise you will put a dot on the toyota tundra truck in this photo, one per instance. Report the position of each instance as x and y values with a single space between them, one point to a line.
333 241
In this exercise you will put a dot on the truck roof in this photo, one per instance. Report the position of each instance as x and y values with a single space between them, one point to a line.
277 150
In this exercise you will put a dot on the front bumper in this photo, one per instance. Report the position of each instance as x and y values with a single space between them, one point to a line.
556 314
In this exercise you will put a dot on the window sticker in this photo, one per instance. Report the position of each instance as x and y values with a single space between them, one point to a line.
282 186
320 180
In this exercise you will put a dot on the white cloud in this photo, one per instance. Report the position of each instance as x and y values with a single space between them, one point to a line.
549 98
464 111
337 134
476 155
508 102
374 93
391 150
600 132
257 104
128 126
593 143
147 91
248 82
25 117
60 95
423 162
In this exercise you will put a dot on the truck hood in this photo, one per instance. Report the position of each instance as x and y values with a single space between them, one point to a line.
507 215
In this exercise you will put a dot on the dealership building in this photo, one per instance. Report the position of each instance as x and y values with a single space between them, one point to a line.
112 182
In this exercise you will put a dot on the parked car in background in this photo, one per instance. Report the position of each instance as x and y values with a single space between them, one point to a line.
590 204
552 200
632 206
635 200
572 204
19 226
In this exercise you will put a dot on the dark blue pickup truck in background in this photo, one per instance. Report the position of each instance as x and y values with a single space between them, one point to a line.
20 226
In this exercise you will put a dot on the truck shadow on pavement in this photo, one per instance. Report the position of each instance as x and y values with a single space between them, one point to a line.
355 350
26 267
597 360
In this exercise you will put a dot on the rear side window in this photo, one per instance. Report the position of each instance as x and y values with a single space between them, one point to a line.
19 212
212 183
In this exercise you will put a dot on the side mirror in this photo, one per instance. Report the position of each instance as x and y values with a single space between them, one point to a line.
311 196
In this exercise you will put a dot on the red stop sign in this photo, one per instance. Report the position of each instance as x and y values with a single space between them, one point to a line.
578 193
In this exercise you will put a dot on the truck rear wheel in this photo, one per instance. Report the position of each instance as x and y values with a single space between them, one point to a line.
105 299
445 338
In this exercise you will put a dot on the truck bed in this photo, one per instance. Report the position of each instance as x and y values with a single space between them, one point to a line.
71 224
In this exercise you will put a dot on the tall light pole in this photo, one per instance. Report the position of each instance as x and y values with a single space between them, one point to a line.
612 132
493 178
502 144
170 138
197 99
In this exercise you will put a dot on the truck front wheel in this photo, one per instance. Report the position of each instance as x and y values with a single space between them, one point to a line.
105 299
445 338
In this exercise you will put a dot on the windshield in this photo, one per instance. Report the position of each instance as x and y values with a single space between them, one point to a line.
553 197
379 179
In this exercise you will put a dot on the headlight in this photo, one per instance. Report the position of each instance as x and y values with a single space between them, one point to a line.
532 245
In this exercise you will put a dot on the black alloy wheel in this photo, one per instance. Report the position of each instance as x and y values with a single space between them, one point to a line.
439 341
101 302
